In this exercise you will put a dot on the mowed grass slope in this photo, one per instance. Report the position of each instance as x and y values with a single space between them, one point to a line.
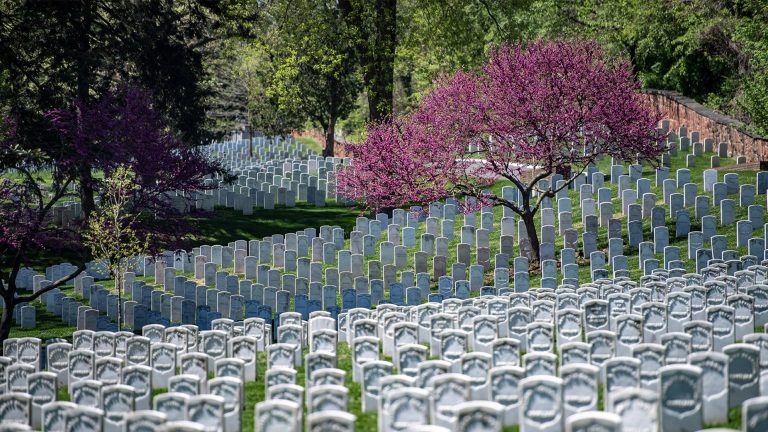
226 225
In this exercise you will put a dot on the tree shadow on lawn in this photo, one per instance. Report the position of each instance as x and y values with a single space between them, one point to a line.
226 225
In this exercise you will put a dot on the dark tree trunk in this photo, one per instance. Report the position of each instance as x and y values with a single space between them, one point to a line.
84 48
86 190
330 123
7 320
381 70
250 141
529 219
83 93
379 95
375 48
330 133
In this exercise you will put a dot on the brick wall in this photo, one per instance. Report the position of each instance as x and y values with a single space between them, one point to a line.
683 111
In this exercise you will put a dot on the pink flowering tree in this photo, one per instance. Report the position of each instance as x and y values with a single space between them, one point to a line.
27 198
118 130
125 129
528 113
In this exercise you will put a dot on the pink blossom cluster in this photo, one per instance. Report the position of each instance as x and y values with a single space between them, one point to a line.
120 128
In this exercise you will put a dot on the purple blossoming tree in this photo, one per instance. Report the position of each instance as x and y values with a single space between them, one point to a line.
529 112
119 130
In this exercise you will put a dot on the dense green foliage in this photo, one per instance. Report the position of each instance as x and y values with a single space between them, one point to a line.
715 51
438 37
278 65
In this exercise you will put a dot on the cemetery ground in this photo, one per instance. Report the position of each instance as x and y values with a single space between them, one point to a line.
310 144
222 226
226 225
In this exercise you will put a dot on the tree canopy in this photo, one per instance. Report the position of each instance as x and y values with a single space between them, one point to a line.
711 51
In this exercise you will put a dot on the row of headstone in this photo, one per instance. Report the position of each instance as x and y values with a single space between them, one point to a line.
647 388
285 251
273 172
203 371
235 151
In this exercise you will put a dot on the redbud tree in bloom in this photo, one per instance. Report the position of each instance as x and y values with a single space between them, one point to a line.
118 131
529 112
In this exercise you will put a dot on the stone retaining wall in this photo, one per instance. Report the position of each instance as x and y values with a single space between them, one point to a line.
684 111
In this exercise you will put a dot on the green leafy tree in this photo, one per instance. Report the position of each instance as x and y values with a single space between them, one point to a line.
370 58
262 110
300 66
227 106
709 50
112 235
753 34
438 37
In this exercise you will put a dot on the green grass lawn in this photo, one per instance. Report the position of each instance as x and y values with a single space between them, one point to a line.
49 326
43 176
226 225
311 144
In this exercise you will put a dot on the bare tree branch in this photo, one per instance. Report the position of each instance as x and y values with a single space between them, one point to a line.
63 280
492 16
